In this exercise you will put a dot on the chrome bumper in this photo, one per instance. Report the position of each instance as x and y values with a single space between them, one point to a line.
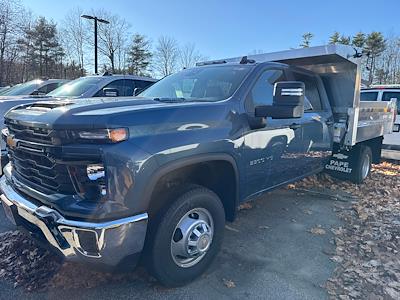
104 243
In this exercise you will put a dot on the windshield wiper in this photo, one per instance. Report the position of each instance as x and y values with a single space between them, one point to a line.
170 100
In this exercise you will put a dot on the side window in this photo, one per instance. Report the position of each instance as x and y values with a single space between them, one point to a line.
389 95
386 96
129 87
52 86
262 91
141 84
369 96
116 84
312 101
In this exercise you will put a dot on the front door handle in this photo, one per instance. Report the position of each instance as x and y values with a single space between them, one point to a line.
295 126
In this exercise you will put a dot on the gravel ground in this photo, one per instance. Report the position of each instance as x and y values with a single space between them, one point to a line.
315 239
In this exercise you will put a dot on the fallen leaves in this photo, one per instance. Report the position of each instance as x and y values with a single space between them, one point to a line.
368 243
229 283
245 206
318 230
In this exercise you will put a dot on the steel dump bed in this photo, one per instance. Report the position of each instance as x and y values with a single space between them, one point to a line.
339 68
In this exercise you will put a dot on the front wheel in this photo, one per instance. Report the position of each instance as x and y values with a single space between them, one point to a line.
187 237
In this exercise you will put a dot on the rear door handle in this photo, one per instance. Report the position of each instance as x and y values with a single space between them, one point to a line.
329 122
295 126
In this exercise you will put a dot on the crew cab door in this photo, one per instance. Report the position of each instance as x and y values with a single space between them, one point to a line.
281 150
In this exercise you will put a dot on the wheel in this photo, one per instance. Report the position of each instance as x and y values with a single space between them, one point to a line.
187 237
362 165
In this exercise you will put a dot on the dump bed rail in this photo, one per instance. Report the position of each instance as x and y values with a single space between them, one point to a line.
375 119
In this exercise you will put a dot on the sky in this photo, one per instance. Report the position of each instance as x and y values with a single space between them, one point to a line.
224 28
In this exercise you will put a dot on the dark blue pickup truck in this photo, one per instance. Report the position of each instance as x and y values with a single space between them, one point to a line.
110 180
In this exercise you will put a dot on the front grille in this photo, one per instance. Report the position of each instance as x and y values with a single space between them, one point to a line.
37 161
32 162
39 169
36 135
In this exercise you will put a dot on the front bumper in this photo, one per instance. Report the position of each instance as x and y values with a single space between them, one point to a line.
3 161
105 244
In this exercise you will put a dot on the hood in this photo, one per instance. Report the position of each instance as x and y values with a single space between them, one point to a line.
79 113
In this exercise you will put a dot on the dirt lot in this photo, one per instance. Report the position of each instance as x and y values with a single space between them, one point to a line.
299 242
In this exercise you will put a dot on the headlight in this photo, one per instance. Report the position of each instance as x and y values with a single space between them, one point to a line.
110 135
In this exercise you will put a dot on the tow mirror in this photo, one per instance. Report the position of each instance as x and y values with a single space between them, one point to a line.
110 92
288 101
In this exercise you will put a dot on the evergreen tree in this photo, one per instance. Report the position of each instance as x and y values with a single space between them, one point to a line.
375 44
335 38
345 40
139 55
44 45
307 37
358 40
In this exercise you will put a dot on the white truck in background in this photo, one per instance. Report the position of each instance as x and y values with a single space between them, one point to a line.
391 142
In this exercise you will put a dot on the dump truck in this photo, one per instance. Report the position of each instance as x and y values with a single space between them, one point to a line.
154 178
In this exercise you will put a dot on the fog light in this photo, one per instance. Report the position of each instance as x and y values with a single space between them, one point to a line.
95 172
103 190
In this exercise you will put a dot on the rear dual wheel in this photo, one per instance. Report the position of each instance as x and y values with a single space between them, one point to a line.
187 237
362 164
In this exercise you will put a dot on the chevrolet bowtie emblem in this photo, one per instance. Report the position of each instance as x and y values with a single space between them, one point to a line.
11 142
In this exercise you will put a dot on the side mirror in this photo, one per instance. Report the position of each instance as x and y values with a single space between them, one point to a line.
137 91
110 92
288 101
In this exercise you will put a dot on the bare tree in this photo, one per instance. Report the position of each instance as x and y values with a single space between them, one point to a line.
189 56
10 29
166 56
75 34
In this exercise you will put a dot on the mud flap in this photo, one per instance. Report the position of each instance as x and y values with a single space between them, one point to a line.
343 164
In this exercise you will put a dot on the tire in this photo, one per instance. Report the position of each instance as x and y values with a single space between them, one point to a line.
200 209
362 165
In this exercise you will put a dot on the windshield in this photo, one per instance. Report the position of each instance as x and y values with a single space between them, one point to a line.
212 83
26 88
76 88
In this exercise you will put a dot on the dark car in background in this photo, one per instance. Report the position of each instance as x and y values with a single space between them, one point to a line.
107 85
3 89
85 87
33 87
